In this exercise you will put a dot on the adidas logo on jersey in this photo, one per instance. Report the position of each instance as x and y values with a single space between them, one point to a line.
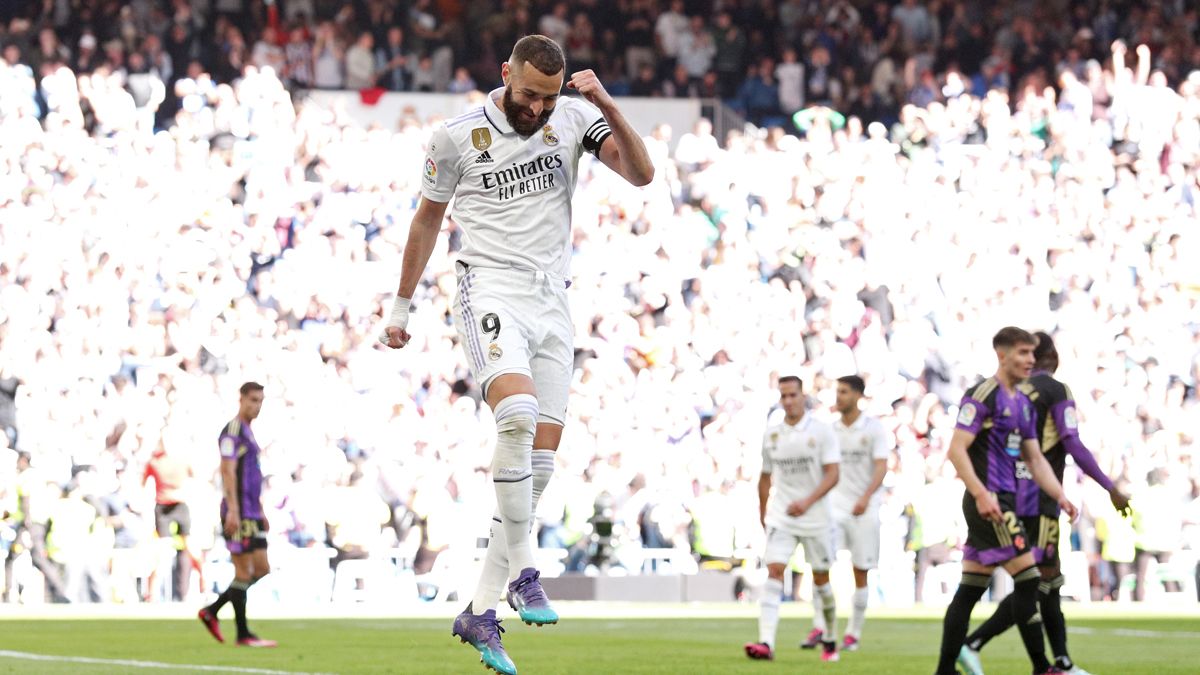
484 158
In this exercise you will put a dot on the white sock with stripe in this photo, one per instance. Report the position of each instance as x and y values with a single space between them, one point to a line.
828 610
493 579
512 473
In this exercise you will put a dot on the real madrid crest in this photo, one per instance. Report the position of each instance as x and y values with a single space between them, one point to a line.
549 136
494 352
481 138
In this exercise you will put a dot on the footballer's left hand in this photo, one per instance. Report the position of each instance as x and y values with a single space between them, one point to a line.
1120 502
797 508
588 85
860 507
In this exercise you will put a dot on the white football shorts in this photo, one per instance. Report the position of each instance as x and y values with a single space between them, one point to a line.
517 321
818 551
860 536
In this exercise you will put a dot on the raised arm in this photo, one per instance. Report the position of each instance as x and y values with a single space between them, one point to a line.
623 152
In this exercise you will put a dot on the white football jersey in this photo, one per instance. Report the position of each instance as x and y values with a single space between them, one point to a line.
861 444
512 195
795 457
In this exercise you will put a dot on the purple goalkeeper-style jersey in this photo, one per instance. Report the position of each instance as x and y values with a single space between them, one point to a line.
237 443
1058 432
1000 420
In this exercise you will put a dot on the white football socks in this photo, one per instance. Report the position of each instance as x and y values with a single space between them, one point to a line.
512 469
493 579
828 610
859 617
768 620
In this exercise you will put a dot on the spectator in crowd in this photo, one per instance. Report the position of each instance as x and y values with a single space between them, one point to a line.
729 58
758 97
328 56
267 52
669 29
392 61
697 49
645 84
556 25
462 83
360 62
298 58
581 43
680 85
637 34
790 76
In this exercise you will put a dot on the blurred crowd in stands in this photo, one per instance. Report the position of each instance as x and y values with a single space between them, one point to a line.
768 58
173 223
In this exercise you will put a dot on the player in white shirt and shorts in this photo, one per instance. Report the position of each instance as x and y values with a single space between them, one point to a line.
800 467
865 446
510 166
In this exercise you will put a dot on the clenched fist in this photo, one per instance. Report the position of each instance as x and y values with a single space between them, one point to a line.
395 330
587 84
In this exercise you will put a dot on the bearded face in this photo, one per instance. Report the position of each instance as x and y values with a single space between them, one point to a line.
521 116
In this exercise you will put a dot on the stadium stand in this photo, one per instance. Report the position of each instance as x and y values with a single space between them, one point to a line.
172 223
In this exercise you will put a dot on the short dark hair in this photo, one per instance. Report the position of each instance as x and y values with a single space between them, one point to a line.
854 382
791 378
541 52
1011 336
249 387
1045 354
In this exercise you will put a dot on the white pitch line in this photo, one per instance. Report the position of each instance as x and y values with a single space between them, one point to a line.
4 653
1135 632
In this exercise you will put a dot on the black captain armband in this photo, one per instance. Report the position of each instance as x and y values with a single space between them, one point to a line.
594 137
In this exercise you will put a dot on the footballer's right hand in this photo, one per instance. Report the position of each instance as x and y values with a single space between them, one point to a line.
1070 509
988 507
395 332
232 526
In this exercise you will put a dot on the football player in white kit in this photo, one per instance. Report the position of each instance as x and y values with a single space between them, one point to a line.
800 467
865 445
510 166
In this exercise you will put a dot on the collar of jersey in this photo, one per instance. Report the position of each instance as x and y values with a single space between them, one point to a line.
857 423
802 424
495 115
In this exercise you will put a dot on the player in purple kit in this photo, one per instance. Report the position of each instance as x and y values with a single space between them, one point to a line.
244 524
1058 429
996 428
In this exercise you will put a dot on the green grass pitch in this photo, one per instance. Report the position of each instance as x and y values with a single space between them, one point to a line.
1102 640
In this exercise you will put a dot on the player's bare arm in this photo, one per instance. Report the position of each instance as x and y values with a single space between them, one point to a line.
624 152
233 517
1043 475
829 479
985 502
422 236
764 492
878 472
